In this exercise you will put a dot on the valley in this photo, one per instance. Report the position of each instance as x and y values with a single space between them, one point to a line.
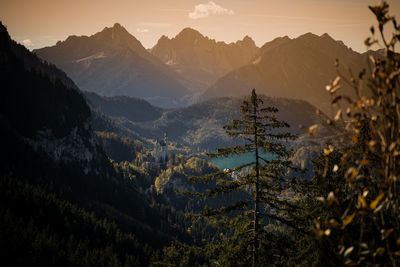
191 150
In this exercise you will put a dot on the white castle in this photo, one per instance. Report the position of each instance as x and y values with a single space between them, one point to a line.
161 150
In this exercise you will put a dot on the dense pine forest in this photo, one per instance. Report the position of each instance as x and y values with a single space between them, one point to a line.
90 180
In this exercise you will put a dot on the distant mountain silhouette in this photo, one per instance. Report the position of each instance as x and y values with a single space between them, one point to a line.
113 62
134 109
296 68
201 124
201 60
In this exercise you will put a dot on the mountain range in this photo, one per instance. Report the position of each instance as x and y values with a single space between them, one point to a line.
191 67
113 62
296 68
200 60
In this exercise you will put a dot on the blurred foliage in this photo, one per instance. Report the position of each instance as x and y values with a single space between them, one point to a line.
364 217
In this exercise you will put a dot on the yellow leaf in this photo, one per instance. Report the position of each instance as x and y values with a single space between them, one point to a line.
374 203
362 201
382 74
338 115
336 81
351 173
327 232
348 251
364 162
335 168
387 232
348 219
354 139
398 241
328 150
313 129
362 212
331 198
320 232
396 253
380 251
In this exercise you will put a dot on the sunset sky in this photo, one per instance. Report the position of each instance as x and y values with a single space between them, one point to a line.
43 22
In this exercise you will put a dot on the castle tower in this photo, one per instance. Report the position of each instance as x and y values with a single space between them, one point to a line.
165 146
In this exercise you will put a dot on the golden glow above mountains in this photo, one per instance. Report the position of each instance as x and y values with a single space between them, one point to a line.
44 22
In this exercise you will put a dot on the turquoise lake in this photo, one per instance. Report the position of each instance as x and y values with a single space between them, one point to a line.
236 160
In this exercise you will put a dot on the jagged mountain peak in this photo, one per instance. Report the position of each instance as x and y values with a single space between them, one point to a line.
189 34
200 59
324 40
162 41
247 41
308 35
274 43
113 62
116 29
296 68
116 36
326 36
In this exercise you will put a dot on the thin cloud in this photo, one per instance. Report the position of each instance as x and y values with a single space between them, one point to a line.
205 10
142 30
27 43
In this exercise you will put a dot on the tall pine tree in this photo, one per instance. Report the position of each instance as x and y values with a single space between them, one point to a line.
255 188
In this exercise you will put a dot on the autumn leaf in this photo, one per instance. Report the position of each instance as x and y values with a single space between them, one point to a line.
362 201
335 168
386 233
374 203
351 173
338 115
327 232
336 81
382 74
348 251
396 253
328 150
380 251
310 130
348 219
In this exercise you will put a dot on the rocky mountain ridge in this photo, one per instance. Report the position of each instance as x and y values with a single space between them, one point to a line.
201 60
113 62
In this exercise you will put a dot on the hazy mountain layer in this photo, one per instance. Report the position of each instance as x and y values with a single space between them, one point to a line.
200 126
295 68
113 62
134 109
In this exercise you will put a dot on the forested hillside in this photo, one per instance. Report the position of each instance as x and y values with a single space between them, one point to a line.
61 194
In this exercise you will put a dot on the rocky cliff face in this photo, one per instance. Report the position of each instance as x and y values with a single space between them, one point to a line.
112 63
295 68
201 60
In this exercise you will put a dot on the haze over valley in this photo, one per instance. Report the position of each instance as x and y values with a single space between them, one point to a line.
190 133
